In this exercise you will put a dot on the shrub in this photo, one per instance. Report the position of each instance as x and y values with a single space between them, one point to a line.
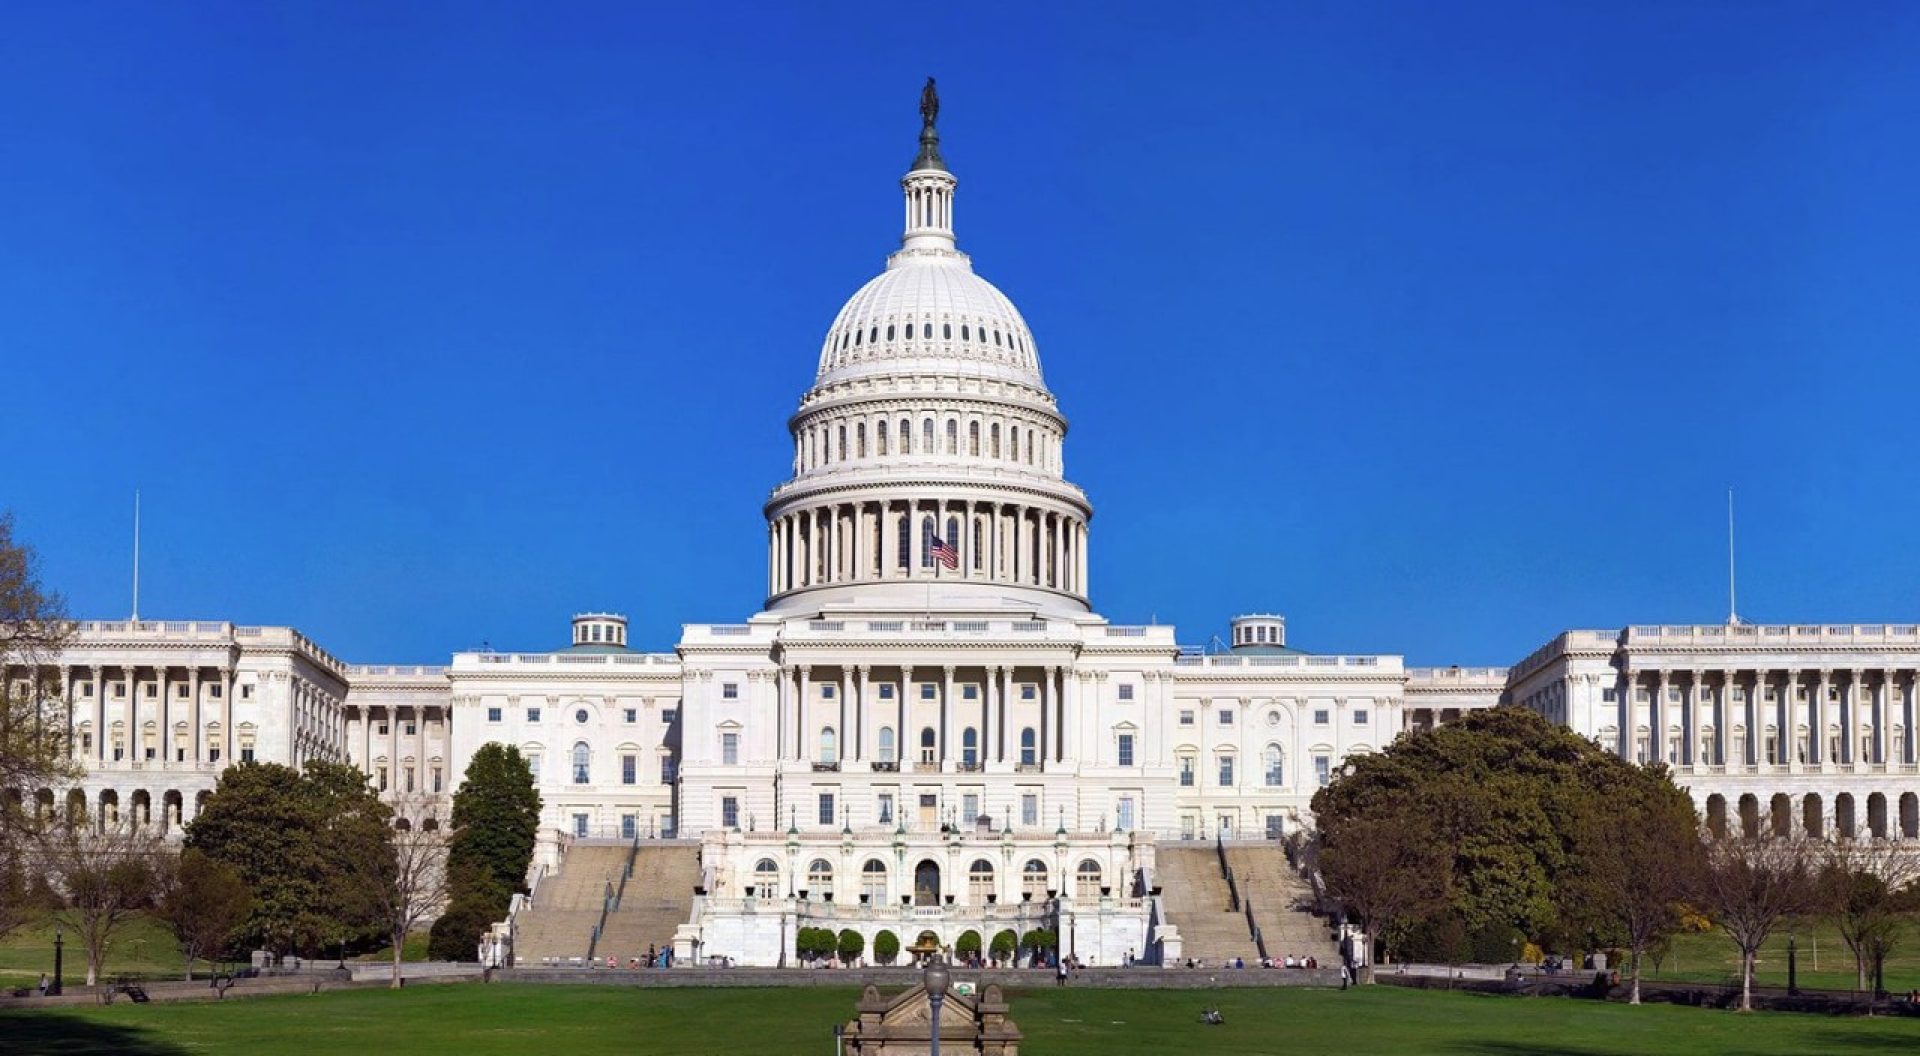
852 944
886 946
1003 944
968 944
1041 939
456 935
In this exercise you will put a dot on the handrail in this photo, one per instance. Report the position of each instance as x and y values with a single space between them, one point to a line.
1233 890
1259 940
606 906
627 873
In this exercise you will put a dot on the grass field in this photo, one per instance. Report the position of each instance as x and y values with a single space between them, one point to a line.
1711 958
142 949
478 1020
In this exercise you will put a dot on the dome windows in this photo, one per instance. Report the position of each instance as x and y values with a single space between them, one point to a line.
946 331
909 331
889 331
964 332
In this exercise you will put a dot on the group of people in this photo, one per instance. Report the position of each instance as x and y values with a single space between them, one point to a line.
657 957
1290 961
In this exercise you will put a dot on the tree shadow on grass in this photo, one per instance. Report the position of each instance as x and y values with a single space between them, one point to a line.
54 1034
1863 1040
1872 1039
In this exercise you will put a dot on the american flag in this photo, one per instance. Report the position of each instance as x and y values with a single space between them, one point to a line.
945 552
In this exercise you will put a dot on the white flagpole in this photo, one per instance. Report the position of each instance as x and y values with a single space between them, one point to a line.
136 555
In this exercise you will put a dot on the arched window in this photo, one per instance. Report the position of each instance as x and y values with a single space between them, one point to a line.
946 331
926 436
953 436
979 881
860 440
886 744
926 542
1033 879
969 745
906 541
973 438
965 332
873 334
1026 747
873 881
889 331
909 331
1275 771
953 532
829 746
978 550
819 877
993 439
906 437
582 768
1013 443
1086 880
841 436
927 748
766 876
857 335
880 437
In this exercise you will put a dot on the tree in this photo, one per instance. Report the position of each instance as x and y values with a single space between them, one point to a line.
496 818
403 876
103 877
1638 855
1387 869
1003 945
968 944
1860 887
852 945
455 935
1748 884
886 946
203 903
1039 940
34 748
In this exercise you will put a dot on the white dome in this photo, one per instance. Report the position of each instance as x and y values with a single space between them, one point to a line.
929 313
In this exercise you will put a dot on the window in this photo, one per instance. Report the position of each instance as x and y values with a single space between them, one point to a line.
630 715
1029 809
969 808
1186 771
1123 814
1028 691
1322 770
493 714
1321 717
669 715
533 765
1641 696
1359 716
979 881
629 826
953 437
969 746
885 808
886 744
927 690
729 691
246 754
826 808
873 881
246 692
1186 716
1609 695
973 438
439 781
580 716
969 692
1033 880
581 769
926 745
666 769
1275 771
153 690
382 774
380 730
120 690
533 715
1226 716
829 746
1026 747
730 749
1126 692
1226 771
212 690
886 691
826 691
580 825
1126 749
729 812
1086 880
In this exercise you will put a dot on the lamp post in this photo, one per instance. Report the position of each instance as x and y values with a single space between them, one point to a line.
1793 966
935 978
58 964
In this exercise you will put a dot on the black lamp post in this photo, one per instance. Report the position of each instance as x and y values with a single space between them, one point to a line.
59 964
935 977
1793 967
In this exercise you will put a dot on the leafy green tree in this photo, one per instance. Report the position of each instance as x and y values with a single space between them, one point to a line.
886 947
1003 945
455 935
968 944
1039 940
852 945
1389 869
202 902
34 749
496 819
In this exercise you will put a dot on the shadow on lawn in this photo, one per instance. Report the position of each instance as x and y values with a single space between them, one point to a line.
53 1034
1861 1041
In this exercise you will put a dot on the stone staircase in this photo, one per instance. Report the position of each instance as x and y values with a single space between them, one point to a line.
1281 900
1195 898
559 925
658 899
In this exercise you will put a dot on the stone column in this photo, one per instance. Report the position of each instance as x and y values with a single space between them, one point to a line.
393 748
99 714
194 734
946 713
1817 721
1657 717
903 746
840 723
994 699
1789 722
800 715
1754 696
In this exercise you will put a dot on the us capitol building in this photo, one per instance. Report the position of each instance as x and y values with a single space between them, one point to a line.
927 720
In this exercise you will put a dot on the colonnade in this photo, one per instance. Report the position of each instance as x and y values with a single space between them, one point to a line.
862 723
994 438
871 541
158 717
1800 719
395 761
1846 815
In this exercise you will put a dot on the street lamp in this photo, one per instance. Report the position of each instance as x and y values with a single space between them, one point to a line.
935 978
58 964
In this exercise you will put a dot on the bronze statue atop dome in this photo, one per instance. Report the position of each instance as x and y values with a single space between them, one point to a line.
929 104
929 139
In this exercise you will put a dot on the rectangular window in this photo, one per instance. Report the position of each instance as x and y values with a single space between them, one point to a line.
629 769
1320 717
1226 716
927 690
1322 770
969 692
493 714
666 769
1641 696
969 808
1126 749
1359 716
1125 814
630 715
119 690
629 826
1226 771
533 767
885 808
1028 691
213 754
383 779
886 691
153 690
1186 716
669 715
533 715
729 812
826 692
730 748
826 808
246 755
729 691
580 825
1029 810
1186 771
1609 695
439 781
246 691
1126 692
410 729
180 691
214 691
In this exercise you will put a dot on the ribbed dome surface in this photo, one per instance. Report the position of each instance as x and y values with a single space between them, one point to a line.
929 313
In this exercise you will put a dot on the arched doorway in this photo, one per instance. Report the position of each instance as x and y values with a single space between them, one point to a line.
926 883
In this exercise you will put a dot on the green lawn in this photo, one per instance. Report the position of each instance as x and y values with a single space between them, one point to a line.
477 1020
142 949
1711 957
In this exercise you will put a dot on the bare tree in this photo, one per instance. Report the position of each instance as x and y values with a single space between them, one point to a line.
103 877
202 902
1751 883
1385 869
34 752
1862 882
401 878
1639 855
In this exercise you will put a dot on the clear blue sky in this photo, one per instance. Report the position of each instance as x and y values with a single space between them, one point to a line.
1437 327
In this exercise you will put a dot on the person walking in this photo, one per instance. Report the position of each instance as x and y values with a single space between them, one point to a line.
1060 971
43 984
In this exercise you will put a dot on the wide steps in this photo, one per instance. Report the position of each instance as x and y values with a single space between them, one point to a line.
658 899
1281 904
1195 898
